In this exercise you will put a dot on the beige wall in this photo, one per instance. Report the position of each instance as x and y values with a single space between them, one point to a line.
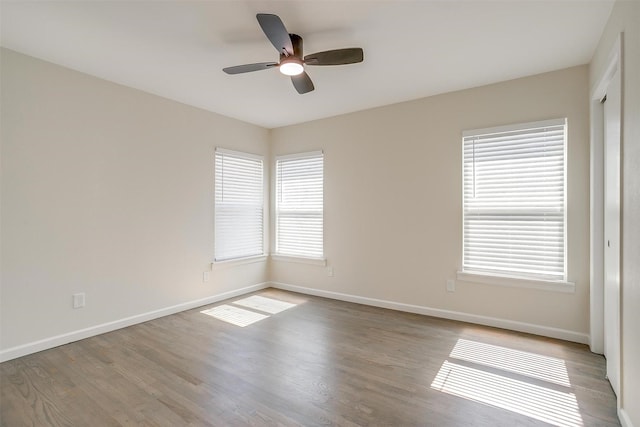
625 17
105 190
393 199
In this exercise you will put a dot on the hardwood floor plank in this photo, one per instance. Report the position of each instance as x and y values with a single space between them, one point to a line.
36 389
322 362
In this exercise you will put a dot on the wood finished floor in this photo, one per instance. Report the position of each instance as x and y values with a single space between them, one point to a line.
322 362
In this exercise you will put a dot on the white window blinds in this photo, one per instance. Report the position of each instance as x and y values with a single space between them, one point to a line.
299 205
514 200
238 205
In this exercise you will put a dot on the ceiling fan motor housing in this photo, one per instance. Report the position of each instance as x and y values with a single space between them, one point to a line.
296 41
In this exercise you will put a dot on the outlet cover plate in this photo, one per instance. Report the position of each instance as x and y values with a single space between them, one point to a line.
78 300
451 285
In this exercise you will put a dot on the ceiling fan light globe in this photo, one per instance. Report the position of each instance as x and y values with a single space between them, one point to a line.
291 68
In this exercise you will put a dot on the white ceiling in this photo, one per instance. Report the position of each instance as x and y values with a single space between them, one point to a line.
413 49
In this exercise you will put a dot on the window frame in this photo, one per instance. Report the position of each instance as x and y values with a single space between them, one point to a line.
247 258
277 255
513 278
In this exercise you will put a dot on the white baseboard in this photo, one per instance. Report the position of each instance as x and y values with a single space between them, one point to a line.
47 343
513 325
624 418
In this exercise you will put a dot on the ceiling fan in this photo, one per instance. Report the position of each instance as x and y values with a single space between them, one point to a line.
291 60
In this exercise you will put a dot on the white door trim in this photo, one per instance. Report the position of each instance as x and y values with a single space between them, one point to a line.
612 227
597 197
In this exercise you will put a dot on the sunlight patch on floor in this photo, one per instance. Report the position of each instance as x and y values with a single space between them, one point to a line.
268 305
520 362
529 384
234 315
555 407
248 310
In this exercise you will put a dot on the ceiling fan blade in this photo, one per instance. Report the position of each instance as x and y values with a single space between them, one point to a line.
302 83
276 32
335 57
238 69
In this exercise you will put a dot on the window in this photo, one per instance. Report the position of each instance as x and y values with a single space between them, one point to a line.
238 205
514 203
299 205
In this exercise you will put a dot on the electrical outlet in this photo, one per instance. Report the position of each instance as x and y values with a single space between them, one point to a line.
206 276
78 300
451 285
330 271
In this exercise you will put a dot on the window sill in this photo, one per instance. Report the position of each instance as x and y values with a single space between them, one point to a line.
517 282
237 261
301 260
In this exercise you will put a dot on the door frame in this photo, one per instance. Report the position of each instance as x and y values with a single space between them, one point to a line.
598 92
